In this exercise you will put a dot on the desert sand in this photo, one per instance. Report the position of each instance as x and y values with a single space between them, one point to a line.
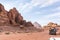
26 36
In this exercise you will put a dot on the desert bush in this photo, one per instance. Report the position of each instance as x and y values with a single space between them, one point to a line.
18 32
0 30
7 33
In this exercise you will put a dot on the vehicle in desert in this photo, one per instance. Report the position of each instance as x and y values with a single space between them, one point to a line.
52 31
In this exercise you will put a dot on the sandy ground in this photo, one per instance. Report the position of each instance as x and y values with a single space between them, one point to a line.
27 36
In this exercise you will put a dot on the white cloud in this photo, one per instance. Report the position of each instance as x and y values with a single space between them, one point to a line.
58 8
52 15
49 2
28 6
8 7
9 4
42 3
37 2
43 20
37 13
25 8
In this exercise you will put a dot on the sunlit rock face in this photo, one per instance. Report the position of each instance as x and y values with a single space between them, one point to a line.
37 25
51 25
3 16
14 16
12 21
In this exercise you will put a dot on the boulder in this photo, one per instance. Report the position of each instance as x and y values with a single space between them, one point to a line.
28 24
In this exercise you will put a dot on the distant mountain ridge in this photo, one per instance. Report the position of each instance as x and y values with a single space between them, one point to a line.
37 25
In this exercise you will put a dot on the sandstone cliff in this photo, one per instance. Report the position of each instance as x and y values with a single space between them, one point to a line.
12 21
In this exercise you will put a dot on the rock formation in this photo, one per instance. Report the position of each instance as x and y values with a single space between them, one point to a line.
3 16
37 25
29 24
12 20
51 25
14 17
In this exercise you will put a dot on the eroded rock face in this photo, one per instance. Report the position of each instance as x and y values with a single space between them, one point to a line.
1 7
3 16
28 24
51 25
14 17
37 25
14 20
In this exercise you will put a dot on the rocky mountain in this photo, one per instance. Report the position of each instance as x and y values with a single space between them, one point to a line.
15 17
37 25
3 16
13 20
50 25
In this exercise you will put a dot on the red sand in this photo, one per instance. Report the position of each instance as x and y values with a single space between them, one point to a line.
27 36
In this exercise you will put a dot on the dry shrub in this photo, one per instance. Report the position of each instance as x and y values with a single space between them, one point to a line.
7 33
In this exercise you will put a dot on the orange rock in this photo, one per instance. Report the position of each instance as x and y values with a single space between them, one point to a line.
14 16
3 16
14 20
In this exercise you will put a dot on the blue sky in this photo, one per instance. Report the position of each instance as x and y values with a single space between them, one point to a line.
41 11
